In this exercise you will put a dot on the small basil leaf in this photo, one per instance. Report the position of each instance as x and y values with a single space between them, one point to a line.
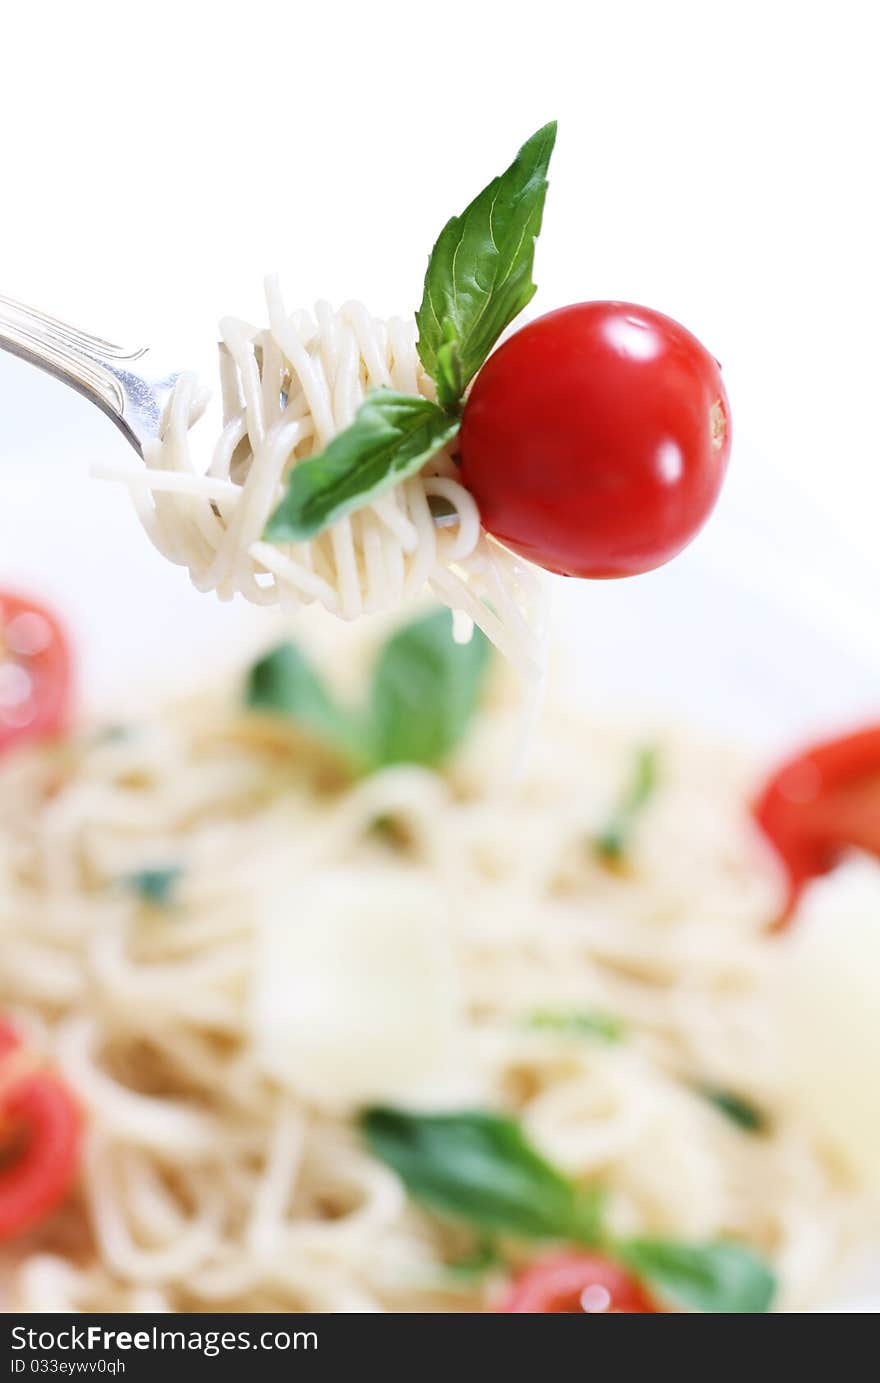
157 885
483 1257
479 275
425 691
392 437
477 1167
578 1023
116 732
718 1278
284 683
589 1211
614 839
736 1108
387 828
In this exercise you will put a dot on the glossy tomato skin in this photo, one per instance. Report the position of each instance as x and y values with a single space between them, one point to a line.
571 1283
595 440
35 672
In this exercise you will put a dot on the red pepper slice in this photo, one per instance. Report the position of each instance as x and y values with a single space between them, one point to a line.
577 1284
821 802
40 1131
35 672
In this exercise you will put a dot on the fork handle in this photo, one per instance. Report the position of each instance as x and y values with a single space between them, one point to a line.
84 362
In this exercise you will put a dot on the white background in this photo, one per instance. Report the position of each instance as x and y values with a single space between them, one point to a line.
717 161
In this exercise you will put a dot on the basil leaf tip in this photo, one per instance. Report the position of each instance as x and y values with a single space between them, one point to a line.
478 1167
425 691
284 683
718 1278
391 438
735 1107
479 275
613 841
482 1259
155 885
578 1023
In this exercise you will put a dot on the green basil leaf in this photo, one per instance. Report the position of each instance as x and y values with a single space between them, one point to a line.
587 1227
613 840
718 1278
156 885
477 1167
425 691
116 732
392 437
284 683
736 1108
479 275
483 1257
578 1023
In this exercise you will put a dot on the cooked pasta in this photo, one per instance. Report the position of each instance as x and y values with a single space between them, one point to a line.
287 390
217 1178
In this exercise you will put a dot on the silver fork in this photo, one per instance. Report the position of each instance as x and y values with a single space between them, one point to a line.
105 374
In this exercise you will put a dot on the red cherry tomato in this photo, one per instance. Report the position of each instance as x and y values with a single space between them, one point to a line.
820 802
573 1283
595 440
39 1141
35 672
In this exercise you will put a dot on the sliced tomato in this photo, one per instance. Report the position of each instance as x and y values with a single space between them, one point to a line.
571 1283
820 803
35 672
9 1040
40 1131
